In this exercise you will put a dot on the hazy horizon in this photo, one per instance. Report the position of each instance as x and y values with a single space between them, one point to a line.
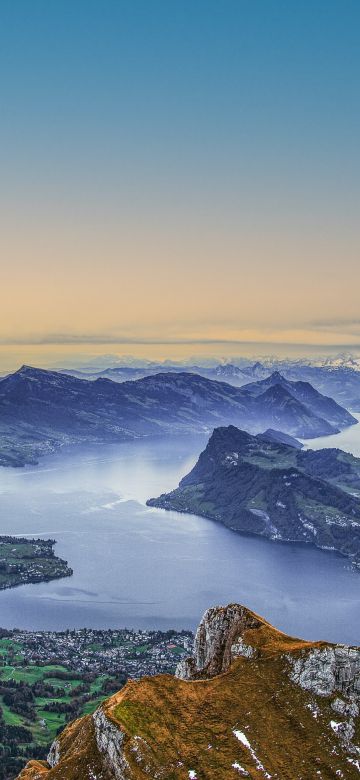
54 361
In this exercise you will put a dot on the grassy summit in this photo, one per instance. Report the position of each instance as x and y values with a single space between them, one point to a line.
249 708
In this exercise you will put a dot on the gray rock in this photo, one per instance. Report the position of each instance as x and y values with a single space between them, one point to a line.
109 740
218 640
345 730
326 670
54 753
345 708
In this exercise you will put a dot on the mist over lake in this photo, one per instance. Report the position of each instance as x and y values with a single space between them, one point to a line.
347 440
141 567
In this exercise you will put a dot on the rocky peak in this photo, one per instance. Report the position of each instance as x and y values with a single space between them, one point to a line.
276 377
252 702
218 640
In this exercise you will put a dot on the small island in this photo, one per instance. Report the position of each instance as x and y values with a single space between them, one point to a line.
25 560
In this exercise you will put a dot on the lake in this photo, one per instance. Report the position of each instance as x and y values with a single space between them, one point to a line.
141 567
348 439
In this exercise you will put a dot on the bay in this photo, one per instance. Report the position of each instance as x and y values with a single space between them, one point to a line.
141 567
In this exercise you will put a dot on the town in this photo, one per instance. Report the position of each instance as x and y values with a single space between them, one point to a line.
48 678
135 652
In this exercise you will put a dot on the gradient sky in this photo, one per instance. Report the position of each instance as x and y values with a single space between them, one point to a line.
178 176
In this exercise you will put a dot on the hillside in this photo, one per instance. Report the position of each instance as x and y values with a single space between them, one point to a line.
42 410
276 386
339 380
256 485
49 678
251 702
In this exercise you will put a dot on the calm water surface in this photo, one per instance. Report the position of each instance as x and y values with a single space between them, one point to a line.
348 440
140 567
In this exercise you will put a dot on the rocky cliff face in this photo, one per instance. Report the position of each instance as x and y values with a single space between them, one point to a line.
251 702
218 640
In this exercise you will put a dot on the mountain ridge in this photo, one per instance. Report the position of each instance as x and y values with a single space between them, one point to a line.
251 702
42 410
337 378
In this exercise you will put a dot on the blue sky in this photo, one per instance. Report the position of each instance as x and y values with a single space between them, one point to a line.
218 139
181 79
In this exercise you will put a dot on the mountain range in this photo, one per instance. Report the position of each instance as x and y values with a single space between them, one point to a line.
260 485
223 372
41 410
338 378
251 702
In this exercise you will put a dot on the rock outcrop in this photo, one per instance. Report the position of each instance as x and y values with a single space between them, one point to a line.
109 741
218 640
327 670
251 702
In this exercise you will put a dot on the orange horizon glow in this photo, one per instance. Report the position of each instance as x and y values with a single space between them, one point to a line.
193 189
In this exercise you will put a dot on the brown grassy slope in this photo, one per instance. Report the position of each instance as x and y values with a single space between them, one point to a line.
173 727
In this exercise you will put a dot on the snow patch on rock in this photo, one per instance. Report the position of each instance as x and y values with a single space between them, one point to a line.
244 741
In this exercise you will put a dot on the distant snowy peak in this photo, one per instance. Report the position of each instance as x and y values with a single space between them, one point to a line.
343 360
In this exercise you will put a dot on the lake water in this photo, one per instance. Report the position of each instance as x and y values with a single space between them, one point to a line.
348 440
141 567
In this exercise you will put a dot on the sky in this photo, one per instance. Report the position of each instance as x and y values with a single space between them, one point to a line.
178 177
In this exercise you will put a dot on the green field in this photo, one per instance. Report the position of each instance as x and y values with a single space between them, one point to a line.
48 685
29 560
46 724
47 680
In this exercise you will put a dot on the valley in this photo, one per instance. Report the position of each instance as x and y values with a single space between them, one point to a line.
141 578
47 679
91 499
